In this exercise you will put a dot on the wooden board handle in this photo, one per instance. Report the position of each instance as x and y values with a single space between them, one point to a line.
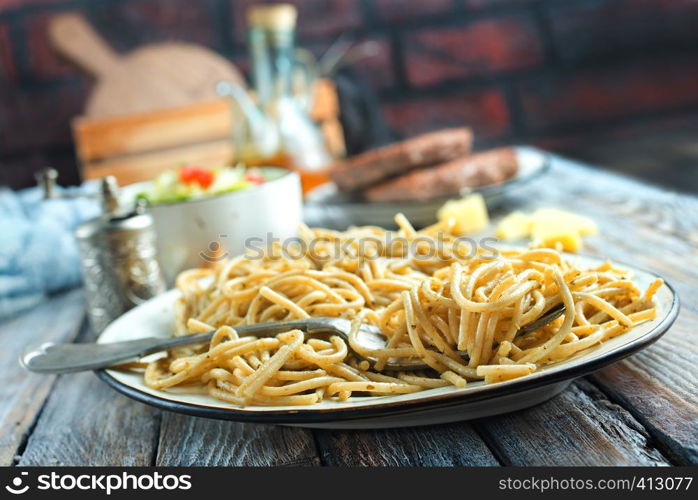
73 37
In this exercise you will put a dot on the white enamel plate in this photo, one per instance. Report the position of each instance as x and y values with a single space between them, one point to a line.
448 404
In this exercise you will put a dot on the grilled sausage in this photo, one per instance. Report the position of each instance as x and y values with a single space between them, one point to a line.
480 169
422 151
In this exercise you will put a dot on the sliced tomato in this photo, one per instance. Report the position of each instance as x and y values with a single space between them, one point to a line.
187 174
254 178
201 176
205 178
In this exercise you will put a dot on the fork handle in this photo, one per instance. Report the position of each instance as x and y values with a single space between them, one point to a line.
70 358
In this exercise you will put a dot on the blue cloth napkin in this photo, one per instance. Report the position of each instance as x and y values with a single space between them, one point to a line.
38 252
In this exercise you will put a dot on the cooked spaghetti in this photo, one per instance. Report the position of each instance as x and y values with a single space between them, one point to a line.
458 309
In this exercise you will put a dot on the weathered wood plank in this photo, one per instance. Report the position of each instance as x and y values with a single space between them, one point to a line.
440 445
22 394
85 422
658 408
579 427
191 441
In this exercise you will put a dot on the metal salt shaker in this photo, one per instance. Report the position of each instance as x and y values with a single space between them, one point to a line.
118 256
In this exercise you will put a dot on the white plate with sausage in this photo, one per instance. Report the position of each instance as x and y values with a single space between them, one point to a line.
326 206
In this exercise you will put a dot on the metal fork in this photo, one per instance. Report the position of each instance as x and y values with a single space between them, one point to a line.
68 358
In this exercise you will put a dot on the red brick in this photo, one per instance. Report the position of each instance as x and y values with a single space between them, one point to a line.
588 96
402 10
130 23
36 119
8 71
484 110
6 5
377 69
486 47
592 29
125 25
484 4
316 18
43 60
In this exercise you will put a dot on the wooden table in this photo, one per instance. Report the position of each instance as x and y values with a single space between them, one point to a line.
641 411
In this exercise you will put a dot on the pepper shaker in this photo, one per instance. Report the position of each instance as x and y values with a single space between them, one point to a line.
118 256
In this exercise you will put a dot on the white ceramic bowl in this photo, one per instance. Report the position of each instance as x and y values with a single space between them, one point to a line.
190 233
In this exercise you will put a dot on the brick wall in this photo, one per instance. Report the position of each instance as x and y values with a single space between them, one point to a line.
564 74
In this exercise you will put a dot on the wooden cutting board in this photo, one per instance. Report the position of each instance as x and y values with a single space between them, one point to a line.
153 77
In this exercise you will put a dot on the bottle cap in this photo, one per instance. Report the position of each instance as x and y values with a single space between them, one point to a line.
281 16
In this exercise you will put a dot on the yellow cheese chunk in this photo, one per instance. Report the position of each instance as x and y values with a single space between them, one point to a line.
552 216
469 214
548 227
551 234
514 226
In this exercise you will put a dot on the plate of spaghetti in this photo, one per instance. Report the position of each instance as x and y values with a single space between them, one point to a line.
456 306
